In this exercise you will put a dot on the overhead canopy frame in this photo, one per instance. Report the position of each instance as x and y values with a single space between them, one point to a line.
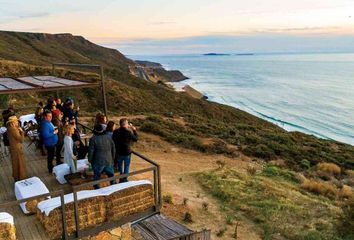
11 85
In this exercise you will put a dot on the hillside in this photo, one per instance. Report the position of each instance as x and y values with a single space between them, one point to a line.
279 161
44 49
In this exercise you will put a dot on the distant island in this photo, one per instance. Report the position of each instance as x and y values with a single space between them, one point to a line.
216 54
227 54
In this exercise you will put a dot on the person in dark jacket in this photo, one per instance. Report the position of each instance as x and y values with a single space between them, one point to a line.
123 138
101 154
49 135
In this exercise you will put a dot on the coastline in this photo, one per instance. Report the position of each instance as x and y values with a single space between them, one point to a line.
295 108
288 126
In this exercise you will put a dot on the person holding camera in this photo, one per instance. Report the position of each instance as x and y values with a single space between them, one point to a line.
49 135
123 137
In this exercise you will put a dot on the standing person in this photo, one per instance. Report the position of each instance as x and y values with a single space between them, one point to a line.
123 138
101 154
16 137
39 113
101 119
57 122
59 104
111 126
69 157
50 138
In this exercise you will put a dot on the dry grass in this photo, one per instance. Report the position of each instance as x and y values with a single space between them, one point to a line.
276 203
320 187
329 168
346 192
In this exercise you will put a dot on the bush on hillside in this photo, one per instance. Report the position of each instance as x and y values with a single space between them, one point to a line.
322 188
329 168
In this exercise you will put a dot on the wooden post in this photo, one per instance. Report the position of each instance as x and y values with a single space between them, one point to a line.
103 92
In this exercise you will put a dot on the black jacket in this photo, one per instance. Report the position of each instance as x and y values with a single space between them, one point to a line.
123 139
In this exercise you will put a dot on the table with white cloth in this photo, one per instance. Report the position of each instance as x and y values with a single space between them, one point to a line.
29 188
62 170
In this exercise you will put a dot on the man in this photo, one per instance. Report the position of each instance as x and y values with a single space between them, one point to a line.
59 104
101 154
123 138
50 138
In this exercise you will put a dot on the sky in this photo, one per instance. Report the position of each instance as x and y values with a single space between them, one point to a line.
191 26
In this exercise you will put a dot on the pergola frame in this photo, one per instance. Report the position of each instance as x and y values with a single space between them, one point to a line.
37 88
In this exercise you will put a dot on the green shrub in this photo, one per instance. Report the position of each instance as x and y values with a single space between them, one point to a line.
188 217
221 232
168 198
305 164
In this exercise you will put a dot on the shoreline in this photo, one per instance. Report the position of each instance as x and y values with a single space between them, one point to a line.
287 126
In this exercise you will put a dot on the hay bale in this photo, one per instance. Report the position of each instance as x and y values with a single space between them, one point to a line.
129 201
7 227
92 212
111 203
123 233
7 231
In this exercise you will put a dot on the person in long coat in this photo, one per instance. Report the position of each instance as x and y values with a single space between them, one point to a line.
16 137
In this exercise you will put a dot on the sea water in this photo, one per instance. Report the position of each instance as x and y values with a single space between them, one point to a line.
311 93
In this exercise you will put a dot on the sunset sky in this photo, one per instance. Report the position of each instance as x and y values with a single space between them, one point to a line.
182 26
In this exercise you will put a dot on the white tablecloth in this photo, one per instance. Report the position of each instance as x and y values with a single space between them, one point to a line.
29 188
6 218
2 130
60 171
47 206
27 118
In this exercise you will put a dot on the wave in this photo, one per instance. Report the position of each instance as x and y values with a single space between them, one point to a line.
295 126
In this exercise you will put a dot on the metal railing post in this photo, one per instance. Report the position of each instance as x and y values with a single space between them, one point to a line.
77 219
63 215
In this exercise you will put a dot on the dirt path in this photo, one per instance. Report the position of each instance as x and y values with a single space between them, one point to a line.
177 166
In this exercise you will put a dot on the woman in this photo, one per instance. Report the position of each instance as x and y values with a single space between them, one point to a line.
111 126
69 157
16 137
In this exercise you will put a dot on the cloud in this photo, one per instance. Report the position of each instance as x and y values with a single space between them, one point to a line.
34 15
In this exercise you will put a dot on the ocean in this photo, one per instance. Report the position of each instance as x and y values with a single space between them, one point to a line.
310 93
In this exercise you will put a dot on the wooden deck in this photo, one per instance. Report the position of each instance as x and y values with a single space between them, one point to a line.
159 227
27 227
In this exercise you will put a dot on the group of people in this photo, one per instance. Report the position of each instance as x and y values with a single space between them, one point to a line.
57 128
109 148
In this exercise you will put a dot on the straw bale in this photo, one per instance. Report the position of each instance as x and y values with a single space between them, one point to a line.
31 206
123 233
92 212
129 201
7 231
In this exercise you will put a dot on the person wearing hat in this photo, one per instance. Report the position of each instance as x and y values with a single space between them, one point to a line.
101 154
16 137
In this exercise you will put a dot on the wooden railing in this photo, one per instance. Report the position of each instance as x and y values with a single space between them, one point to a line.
79 233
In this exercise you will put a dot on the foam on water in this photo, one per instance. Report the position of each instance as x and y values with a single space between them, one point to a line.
311 93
